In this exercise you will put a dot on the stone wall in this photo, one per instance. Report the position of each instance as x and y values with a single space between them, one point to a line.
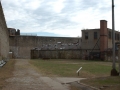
56 54
21 46
4 38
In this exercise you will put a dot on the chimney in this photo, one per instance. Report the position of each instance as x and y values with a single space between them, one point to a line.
103 37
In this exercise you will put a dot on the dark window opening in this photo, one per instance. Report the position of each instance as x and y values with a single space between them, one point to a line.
86 35
117 36
95 35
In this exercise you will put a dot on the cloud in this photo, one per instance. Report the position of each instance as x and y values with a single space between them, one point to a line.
56 5
59 17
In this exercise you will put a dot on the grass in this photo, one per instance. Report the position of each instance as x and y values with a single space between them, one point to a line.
6 72
96 72
109 83
104 81
68 68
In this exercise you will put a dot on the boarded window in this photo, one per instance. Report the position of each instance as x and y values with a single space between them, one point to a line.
110 35
86 35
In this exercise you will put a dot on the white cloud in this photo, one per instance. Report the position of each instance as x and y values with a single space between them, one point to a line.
33 5
72 32
58 5
12 14
60 17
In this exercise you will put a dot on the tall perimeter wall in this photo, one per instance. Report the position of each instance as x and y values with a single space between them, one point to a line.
4 37
21 46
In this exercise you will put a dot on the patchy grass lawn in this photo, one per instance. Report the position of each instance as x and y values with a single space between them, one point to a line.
68 68
97 72
105 83
6 72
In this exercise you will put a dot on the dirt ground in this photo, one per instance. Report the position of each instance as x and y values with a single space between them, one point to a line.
26 77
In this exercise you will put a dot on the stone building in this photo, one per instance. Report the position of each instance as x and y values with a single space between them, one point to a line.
4 36
94 43
13 32
98 42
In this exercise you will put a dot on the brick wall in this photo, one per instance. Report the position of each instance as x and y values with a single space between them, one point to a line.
103 35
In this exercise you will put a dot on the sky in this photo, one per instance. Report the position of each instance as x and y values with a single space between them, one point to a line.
60 18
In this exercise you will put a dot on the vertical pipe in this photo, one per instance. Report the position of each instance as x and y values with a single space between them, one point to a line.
113 34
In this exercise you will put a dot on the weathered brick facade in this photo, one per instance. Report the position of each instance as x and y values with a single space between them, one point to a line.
4 37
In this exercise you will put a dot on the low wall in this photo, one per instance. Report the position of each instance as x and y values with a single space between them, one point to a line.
56 54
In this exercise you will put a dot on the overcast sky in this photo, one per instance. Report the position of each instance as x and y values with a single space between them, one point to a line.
59 17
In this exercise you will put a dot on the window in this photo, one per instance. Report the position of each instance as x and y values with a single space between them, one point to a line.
95 35
117 36
86 35
110 35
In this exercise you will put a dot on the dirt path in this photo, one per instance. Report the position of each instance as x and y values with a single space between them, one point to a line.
27 78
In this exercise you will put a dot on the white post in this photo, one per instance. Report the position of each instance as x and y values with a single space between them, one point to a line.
79 70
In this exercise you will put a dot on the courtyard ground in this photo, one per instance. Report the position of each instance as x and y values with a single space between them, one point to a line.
6 72
26 77
58 75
